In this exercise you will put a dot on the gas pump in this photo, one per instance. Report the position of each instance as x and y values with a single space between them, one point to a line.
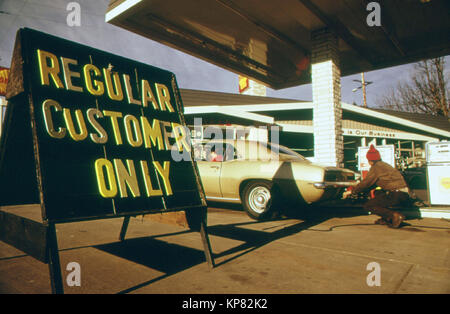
438 172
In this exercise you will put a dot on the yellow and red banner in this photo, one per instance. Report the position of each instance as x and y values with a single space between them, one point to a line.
244 83
4 73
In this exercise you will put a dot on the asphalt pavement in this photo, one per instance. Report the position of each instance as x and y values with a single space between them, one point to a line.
324 252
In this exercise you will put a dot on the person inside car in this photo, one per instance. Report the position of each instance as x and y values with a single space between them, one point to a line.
214 156
393 192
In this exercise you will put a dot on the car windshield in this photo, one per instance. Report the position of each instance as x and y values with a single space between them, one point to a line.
217 151
284 151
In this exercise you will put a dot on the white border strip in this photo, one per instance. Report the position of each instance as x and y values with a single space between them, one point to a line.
247 115
230 112
200 109
435 213
127 4
273 107
296 128
390 118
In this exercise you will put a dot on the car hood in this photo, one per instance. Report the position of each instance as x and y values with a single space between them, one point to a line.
330 170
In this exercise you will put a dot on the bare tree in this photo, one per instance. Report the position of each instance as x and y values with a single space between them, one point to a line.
427 91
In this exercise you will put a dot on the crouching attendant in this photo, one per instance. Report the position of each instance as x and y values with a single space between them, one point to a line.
394 190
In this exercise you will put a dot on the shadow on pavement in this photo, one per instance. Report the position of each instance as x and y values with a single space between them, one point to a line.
156 254
172 258
253 239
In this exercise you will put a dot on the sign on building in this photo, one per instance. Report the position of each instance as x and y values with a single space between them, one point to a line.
250 87
4 73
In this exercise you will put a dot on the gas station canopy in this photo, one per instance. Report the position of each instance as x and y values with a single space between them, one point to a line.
270 41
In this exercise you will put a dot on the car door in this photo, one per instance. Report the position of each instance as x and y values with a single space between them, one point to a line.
233 168
209 171
245 161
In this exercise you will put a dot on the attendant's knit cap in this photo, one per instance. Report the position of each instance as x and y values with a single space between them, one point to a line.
373 154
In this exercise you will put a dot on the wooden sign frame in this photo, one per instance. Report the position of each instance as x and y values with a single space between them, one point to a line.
90 135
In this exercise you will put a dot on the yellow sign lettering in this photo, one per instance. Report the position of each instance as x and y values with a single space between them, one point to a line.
129 90
114 115
133 130
179 132
105 190
49 70
126 178
102 136
147 95
95 87
163 97
83 133
148 183
46 105
164 173
68 74
152 133
115 93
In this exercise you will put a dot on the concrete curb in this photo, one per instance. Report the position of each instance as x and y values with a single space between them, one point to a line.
440 212
435 212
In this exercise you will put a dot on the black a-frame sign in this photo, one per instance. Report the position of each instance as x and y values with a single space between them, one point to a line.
90 135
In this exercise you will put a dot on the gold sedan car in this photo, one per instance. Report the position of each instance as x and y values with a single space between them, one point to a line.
261 176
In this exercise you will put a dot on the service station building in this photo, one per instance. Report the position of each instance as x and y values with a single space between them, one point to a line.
408 132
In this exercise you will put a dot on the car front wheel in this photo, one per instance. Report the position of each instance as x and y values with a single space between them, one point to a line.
258 199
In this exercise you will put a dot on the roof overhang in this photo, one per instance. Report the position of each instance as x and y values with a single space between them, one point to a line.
270 41
393 119
274 107
249 112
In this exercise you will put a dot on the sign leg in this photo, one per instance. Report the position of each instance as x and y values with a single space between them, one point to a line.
53 261
123 231
206 244
196 220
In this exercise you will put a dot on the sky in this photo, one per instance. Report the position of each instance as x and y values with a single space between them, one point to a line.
50 16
